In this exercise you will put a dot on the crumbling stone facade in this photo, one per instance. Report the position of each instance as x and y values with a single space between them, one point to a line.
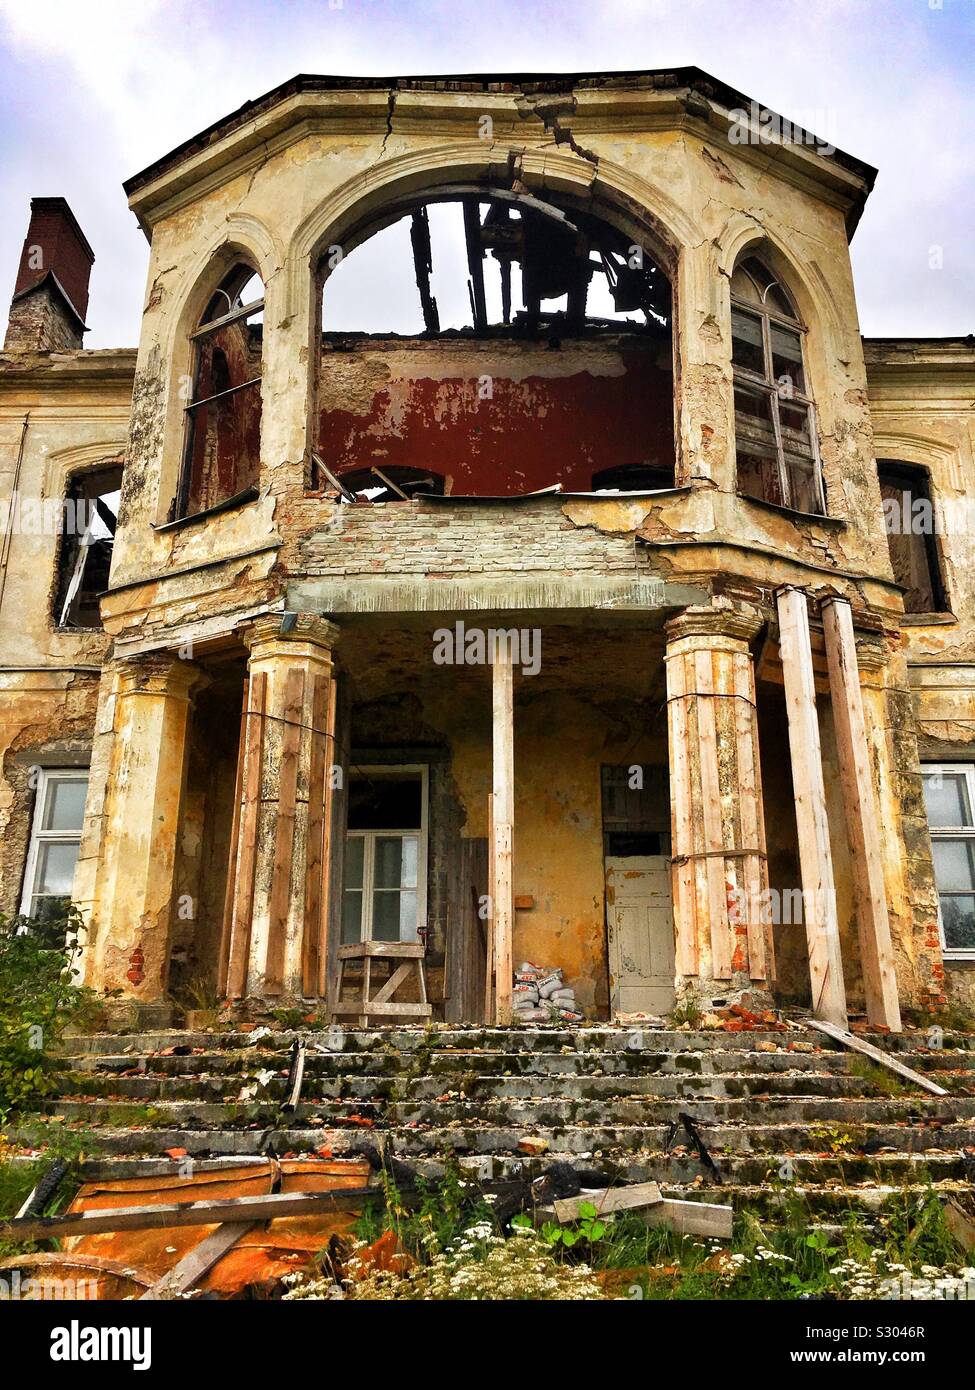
265 659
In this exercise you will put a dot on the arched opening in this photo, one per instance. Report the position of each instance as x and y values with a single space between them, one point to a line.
502 342
912 541
776 447
222 456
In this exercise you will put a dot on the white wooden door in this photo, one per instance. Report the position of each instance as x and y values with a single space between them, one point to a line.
640 932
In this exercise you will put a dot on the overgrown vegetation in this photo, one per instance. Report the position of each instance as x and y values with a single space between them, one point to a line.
448 1244
38 998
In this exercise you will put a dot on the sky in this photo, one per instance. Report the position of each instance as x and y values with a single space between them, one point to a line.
91 91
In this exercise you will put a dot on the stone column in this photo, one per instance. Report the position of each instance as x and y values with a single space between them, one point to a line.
720 869
275 933
138 809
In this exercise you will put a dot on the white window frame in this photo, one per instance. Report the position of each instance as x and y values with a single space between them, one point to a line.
47 777
396 772
967 770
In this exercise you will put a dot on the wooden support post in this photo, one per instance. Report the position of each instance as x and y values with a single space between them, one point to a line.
862 822
502 826
815 855
718 834
277 935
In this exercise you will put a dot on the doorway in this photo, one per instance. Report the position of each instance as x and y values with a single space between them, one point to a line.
639 896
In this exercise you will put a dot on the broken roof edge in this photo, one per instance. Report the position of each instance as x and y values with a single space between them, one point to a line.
657 79
41 280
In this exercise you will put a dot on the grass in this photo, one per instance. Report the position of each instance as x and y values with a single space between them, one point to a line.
886 1081
788 1257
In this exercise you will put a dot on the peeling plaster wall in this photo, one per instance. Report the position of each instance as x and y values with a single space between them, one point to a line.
922 399
76 407
498 418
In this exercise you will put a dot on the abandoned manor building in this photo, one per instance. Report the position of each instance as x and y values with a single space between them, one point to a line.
501 545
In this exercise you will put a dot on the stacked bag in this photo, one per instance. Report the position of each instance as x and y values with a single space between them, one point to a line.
539 995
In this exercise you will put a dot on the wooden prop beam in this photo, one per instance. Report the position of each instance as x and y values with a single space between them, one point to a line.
862 820
815 855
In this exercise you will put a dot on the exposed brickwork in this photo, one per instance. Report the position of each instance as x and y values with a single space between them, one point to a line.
425 538
40 321
56 244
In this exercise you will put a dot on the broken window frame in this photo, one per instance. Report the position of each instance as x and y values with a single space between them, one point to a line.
48 779
767 384
953 835
180 509
76 550
536 323
916 479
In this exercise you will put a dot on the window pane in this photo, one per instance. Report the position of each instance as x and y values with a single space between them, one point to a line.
64 805
787 358
803 485
351 916
958 919
758 475
954 865
746 341
385 916
410 851
389 859
55 869
354 854
946 799
909 522
407 915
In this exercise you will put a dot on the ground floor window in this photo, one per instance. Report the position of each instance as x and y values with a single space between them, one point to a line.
384 879
949 794
55 836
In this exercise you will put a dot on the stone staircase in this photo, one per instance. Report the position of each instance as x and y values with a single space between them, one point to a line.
776 1117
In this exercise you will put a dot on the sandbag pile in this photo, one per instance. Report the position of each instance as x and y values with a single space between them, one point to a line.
539 995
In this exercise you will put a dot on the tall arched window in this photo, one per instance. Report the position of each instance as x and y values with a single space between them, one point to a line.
776 448
222 461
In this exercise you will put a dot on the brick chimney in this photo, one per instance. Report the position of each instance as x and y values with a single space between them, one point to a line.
47 312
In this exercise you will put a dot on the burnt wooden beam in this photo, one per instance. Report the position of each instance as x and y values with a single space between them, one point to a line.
423 265
475 262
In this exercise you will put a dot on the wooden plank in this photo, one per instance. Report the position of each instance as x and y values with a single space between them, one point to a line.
754 868
356 1006
284 837
503 789
960 1224
384 950
311 936
399 977
876 1054
489 922
711 811
226 936
691 1218
685 913
862 819
264 1207
328 837
642 1194
198 1261
815 854
247 841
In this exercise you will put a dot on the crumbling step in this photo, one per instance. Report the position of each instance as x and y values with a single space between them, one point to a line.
439 1038
595 1063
